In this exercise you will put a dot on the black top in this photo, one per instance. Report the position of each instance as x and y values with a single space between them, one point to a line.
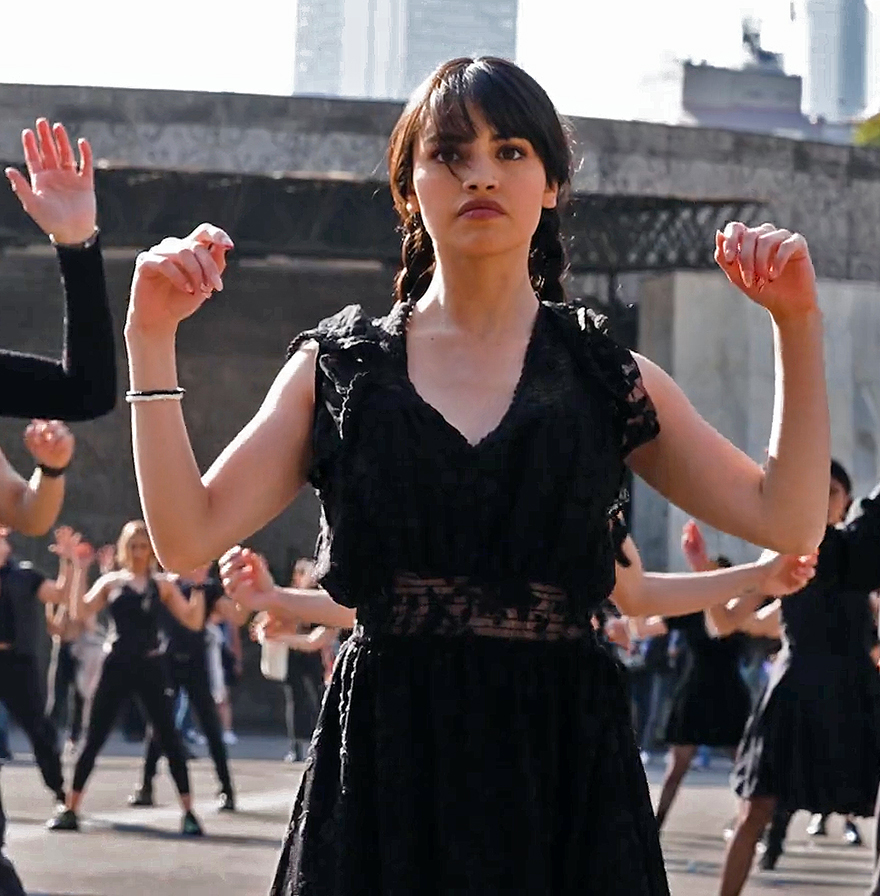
82 385
183 642
530 503
20 610
135 616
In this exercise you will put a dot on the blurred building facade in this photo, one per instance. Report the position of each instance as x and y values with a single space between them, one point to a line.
385 48
836 74
759 97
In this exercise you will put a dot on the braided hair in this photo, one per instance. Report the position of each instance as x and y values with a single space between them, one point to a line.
513 104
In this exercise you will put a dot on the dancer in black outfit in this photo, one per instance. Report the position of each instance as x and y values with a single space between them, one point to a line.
813 742
711 701
134 666
469 449
59 195
186 657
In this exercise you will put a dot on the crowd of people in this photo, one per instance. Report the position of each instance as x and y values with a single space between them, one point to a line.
476 732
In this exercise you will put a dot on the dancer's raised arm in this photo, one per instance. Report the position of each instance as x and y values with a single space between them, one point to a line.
783 505
638 593
191 518
59 194
32 506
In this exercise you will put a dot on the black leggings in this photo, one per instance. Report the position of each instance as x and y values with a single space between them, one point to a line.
191 675
146 678
22 692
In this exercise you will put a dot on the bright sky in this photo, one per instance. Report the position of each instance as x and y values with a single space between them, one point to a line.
612 59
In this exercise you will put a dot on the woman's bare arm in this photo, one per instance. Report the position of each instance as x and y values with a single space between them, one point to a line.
725 619
191 518
784 506
638 593
85 606
766 623
189 613
641 627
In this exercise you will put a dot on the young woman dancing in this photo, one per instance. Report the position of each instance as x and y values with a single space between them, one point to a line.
814 740
469 450
711 702
134 666
187 669
59 194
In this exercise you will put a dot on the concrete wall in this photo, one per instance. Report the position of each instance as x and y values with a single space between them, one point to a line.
830 193
719 348
229 354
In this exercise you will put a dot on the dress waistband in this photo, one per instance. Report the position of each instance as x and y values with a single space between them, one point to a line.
461 606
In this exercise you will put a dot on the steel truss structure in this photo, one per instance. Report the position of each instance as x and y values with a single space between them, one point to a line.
321 217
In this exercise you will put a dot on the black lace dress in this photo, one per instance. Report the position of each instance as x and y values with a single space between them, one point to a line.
813 742
474 739
711 702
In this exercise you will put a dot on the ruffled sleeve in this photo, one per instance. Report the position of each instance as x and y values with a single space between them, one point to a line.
615 368
348 343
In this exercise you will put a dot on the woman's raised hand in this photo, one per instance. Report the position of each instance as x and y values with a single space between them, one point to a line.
50 442
787 573
60 194
173 279
770 265
693 546
246 578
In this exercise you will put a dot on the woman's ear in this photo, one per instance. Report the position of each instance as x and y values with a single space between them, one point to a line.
412 204
551 196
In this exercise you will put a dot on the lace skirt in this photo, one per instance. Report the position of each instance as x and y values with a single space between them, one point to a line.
446 764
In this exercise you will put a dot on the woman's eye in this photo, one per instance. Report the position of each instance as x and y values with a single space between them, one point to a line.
511 152
446 155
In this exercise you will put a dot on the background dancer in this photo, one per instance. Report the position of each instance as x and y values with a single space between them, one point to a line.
186 657
304 686
59 194
23 592
474 579
134 666
814 741
711 702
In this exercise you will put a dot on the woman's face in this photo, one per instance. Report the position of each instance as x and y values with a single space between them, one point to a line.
838 503
479 197
140 553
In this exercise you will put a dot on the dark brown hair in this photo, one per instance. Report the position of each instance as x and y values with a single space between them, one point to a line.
514 105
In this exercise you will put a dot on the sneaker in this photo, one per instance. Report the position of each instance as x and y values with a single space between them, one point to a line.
190 826
143 796
63 820
227 801
851 833
230 738
816 827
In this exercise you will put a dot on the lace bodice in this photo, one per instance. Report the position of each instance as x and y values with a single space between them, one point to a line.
515 527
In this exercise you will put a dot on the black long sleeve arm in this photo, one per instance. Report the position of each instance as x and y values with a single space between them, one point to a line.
82 385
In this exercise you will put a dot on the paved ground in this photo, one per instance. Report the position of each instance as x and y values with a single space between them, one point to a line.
137 852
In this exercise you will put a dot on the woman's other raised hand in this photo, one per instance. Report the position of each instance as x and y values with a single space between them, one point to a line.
771 266
173 279
59 193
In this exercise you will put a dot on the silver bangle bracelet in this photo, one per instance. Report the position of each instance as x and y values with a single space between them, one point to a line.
134 396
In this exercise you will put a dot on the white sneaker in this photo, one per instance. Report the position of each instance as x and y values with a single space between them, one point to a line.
230 738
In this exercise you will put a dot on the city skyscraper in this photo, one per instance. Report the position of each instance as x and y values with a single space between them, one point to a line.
385 48
836 72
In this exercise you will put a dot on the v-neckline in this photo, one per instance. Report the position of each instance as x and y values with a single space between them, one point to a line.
456 433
